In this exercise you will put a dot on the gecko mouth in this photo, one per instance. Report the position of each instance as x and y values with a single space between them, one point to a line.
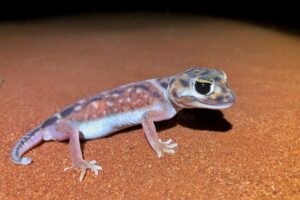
221 105
193 102
198 104
218 106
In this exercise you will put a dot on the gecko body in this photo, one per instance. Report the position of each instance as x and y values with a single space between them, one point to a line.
135 103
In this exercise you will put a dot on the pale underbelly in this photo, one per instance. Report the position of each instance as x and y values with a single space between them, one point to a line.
110 124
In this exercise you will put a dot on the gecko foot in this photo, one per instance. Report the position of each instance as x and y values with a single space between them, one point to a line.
165 147
85 165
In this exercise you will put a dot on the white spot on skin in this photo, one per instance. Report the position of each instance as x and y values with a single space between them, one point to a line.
95 104
139 90
77 108
115 95
128 99
81 101
109 104
120 100
47 136
58 116
129 89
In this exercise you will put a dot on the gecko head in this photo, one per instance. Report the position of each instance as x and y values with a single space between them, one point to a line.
201 88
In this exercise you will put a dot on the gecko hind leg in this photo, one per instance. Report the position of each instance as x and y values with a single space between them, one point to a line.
75 150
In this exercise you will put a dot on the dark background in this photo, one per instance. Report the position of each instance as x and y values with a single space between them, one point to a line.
281 14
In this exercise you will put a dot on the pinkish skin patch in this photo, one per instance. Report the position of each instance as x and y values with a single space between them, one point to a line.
125 99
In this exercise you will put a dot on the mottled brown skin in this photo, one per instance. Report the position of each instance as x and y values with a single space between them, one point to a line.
124 99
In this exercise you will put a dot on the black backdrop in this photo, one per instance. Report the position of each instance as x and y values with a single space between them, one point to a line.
284 13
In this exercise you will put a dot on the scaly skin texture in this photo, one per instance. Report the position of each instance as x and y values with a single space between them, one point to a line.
135 103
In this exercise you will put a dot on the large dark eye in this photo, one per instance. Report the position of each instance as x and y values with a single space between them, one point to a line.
203 88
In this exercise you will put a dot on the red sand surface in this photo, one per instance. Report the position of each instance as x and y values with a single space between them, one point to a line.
250 151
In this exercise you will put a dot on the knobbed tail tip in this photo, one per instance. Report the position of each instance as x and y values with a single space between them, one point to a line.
21 161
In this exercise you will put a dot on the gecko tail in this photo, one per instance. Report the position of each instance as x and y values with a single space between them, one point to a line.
22 160
26 142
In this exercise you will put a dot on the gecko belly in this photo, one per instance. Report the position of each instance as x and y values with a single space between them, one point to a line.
110 124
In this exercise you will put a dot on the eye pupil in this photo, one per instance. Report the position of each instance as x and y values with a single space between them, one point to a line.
202 87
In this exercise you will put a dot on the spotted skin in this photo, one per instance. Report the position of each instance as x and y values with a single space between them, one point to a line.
128 105
125 99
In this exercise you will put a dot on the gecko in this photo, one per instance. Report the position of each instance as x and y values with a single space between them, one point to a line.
134 103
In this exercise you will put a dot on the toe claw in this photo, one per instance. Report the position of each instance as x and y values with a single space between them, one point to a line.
93 162
172 151
67 168
169 141
172 145
82 173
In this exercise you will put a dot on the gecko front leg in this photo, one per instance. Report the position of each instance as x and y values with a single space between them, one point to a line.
151 134
71 131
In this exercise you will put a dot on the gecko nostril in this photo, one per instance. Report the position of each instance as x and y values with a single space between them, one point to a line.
229 98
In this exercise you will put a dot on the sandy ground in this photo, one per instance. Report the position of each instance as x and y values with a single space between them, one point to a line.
250 151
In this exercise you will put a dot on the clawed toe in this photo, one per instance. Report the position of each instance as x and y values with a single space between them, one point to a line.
84 165
94 167
171 146
166 147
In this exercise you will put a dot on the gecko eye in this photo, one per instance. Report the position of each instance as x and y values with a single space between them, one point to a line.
203 87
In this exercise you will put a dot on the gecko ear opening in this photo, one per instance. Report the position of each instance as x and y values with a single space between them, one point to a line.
178 85
172 90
